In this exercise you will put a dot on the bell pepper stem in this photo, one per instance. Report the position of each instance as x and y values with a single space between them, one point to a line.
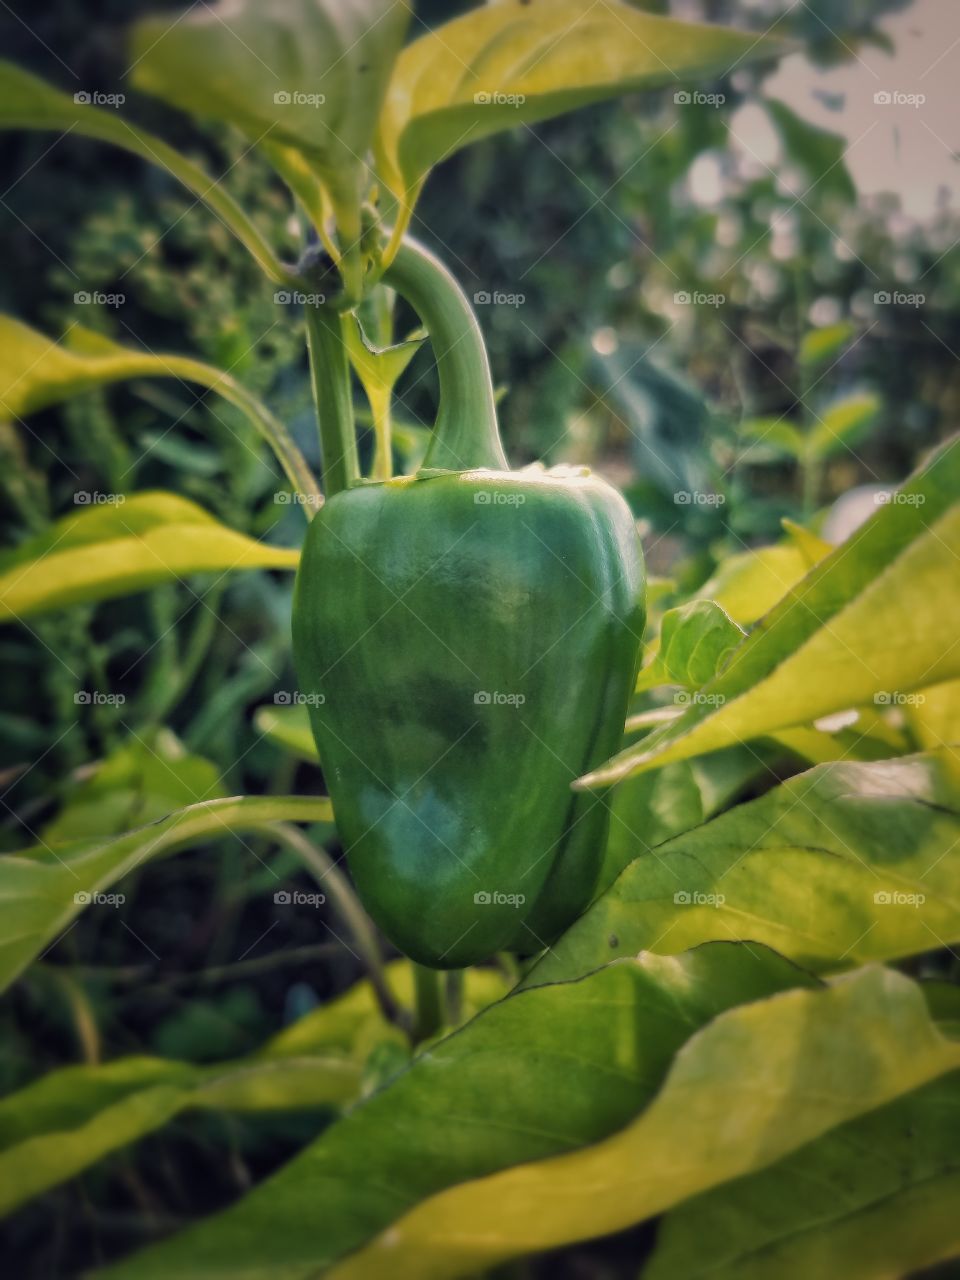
333 398
428 1010
466 435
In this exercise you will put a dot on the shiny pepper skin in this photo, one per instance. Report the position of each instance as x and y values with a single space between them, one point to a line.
471 642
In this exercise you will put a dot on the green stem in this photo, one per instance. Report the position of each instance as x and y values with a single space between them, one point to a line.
330 372
466 435
428 1012
328 875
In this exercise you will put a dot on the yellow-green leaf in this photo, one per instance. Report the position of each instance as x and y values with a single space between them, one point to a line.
124 545
878 616
27 102
37 371
503 65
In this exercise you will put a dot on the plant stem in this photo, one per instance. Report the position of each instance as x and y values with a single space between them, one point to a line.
466 434
330 372
332 879
428 1011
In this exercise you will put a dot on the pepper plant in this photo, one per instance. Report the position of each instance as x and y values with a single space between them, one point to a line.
717 1015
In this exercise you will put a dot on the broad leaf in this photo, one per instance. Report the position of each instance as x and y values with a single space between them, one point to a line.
36 372
303 74
648 810
43 889
108 550
27 102
695 640
748 585
816 1059
518 1083
887 592
503 65
842 865
876 1197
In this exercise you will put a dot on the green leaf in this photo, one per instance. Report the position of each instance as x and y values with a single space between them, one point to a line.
841 422
303 74
811 547
934 715
43 889
876 1197
817 151
879 615
748 585
108 550
816 1059
844 864
518 1083
36 372
826 343
27 102
504 65
695 639
289 728
649 809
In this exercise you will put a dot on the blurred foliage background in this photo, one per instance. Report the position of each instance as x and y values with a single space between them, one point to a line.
602 222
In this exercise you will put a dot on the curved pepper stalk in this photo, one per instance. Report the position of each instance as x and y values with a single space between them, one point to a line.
469 639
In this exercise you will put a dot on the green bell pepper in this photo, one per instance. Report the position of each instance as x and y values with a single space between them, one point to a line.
469 639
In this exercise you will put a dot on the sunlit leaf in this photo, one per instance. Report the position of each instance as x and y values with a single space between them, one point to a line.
44 888
503 65
36 371
876 1197
878 615
112 549
695 639
842 865
27 102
